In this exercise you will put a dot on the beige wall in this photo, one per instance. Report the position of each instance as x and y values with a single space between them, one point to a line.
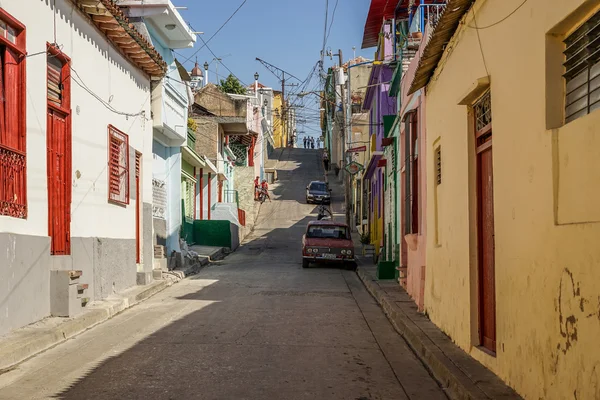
546 190
277 121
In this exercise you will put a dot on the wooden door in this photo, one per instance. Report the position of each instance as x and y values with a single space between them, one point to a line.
138 203
485 225
59 182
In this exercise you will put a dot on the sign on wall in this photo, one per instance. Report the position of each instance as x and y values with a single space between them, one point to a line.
159 199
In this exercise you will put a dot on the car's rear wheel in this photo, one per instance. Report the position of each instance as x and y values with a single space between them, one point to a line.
305 263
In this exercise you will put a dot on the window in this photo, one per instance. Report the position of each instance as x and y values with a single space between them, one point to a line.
188 186
327 232
118 166
582 69
13 176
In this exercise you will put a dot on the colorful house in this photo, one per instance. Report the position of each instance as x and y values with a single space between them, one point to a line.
380 106
513 133
75 157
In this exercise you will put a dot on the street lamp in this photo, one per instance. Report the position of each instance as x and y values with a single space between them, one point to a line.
256 76
256 85
205 73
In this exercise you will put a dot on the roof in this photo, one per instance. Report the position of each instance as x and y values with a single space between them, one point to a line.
441 35
111 20
327 222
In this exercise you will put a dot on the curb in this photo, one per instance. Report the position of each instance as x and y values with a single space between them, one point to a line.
29 341
435 355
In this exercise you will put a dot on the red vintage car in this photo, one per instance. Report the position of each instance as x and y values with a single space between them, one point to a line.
327 241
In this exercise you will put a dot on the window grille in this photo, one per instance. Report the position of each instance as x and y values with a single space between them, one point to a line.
582 69
118 166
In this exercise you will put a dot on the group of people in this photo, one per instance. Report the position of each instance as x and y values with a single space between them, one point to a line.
261 187
309 142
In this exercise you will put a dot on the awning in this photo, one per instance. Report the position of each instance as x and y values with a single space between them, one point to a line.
191 157
379 11
229 153
373 164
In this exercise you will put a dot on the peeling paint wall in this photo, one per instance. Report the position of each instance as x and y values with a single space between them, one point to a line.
546 209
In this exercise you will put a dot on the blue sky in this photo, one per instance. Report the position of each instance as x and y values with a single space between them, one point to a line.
288 34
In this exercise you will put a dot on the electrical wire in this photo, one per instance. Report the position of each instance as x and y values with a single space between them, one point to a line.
480 44
109 107
497 22
332 18
217 31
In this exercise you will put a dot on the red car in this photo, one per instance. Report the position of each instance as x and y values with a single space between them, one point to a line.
327 242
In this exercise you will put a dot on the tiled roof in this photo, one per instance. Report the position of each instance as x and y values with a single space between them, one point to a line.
109 18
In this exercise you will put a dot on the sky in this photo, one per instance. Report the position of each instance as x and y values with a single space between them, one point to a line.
285 33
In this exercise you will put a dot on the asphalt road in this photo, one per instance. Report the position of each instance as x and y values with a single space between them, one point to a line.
253 326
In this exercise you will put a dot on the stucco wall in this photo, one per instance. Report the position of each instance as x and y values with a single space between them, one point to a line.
545 204
25 276
207 136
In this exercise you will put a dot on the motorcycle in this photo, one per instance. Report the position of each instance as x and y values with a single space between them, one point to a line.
324 213
262 195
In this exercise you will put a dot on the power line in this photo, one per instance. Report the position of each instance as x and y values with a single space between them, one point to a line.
214 34
497 22
332 18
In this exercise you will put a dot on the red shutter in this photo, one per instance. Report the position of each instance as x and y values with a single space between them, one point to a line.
118 166
12 85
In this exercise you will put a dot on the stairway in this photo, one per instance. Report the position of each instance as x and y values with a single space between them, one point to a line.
68 296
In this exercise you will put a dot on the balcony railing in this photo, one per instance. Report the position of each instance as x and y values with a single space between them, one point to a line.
13 183
191 139
425 14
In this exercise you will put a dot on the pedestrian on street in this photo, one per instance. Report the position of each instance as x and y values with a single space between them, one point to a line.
312 142
256 187
318 143
265 188
305 142
325 160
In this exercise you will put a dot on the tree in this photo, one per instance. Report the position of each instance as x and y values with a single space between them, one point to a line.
232 85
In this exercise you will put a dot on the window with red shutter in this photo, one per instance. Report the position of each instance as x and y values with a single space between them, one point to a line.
118 166
13 176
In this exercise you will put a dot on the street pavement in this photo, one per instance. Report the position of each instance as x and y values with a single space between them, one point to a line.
252 326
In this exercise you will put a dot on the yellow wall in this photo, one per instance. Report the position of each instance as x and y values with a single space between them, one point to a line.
277 121
546 202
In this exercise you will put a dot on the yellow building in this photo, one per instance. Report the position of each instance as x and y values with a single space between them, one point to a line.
513 251
278 131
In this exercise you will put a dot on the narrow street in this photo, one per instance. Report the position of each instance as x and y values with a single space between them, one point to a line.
253 326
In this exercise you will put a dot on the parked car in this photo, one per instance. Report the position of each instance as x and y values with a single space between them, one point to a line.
318 192
327 241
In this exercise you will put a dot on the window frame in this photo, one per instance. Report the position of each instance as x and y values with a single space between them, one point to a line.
581 44
117 134
15 156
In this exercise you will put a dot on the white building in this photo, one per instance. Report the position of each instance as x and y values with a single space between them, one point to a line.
75 156
170 100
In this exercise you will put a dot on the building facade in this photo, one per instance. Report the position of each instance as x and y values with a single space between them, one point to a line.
75 157
170 101
513 221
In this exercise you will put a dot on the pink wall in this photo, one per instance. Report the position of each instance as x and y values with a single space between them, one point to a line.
416 244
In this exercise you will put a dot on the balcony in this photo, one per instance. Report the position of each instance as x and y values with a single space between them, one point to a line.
424 15
169 114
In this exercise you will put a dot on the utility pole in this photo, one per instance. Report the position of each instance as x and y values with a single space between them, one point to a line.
280 74
343 136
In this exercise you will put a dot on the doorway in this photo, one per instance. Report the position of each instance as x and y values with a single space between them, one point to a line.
485 223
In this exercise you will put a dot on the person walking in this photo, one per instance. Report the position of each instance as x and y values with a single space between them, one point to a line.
256 186
265 188
318 143
325 160
305 141
312 142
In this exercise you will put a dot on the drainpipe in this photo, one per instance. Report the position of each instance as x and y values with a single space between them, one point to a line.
201 193
209 192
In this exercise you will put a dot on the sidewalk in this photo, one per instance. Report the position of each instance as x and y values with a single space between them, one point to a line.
26 342
462 376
